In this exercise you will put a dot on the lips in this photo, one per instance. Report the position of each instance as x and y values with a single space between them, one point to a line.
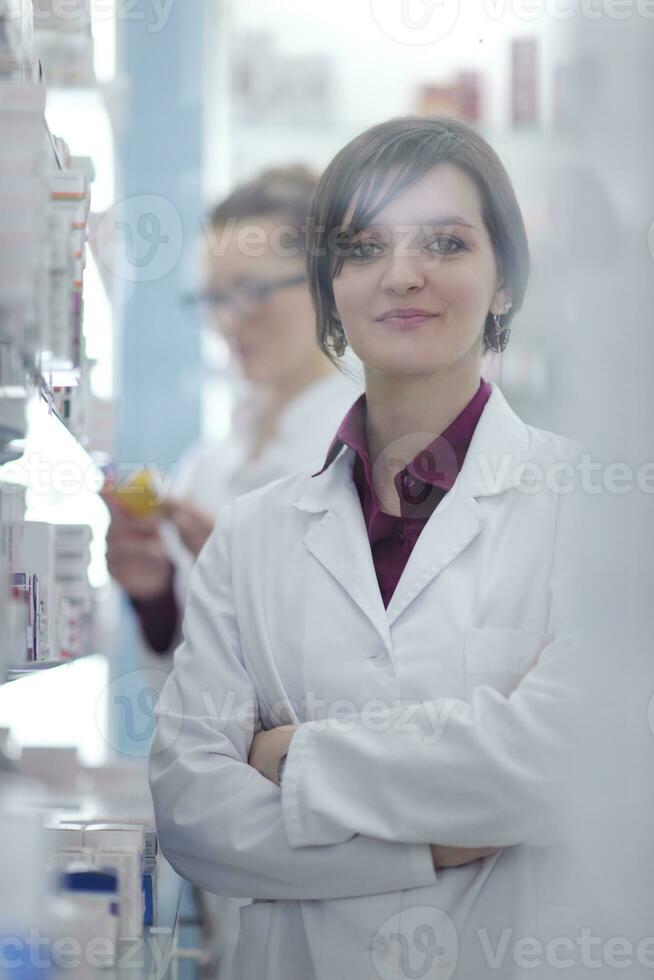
406 317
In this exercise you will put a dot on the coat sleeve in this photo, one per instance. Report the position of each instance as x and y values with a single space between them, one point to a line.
219 822
486 772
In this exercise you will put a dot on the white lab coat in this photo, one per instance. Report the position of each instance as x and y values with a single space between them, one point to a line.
285 621
213 473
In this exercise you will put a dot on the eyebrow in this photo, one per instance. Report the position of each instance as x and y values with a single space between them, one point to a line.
440 222
452 219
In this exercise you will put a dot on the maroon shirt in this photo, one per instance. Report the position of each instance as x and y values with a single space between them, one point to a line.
421 485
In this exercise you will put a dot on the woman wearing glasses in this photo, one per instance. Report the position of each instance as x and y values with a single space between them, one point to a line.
378 615
255 296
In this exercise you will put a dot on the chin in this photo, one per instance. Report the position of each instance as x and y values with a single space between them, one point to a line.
407 362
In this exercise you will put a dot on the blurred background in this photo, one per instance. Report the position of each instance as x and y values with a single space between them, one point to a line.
173 104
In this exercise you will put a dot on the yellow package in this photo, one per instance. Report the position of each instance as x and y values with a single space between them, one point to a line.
139 495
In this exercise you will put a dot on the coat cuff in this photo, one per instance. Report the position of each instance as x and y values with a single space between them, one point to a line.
295 806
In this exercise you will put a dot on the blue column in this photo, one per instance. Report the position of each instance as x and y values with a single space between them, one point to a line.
160 168
156 222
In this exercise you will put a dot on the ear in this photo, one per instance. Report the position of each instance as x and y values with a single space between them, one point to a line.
502 300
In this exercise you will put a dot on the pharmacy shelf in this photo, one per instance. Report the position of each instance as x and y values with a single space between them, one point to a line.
153 955
16 671
15 35
51 140
47 396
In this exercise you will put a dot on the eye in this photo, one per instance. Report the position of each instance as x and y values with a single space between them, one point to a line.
364 250
445 245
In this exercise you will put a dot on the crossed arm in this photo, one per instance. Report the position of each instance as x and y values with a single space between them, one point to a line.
358 811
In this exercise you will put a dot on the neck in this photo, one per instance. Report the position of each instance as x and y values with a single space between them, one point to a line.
402 409
286 389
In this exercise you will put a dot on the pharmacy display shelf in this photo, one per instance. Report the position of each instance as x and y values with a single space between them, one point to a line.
47 396
14 671
156 953
51 140
16 34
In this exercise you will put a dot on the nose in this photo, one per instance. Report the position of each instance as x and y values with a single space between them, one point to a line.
226 323
231 321
403 273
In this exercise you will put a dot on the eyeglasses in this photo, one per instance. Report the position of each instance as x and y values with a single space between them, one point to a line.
243 299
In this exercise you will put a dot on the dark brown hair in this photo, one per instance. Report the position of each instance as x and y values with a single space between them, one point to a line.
412 145
285 191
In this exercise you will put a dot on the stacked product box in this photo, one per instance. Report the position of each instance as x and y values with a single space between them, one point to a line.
49 592
24 153
16 37
13 397
43 231
67 220
64 42
128 849
13 402
13 613
12 502
74 593
63 355
28 549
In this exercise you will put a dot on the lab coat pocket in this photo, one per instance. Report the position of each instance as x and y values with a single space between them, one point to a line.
500 658
254 929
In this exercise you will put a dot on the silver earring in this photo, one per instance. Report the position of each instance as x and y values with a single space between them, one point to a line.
500 338
339 341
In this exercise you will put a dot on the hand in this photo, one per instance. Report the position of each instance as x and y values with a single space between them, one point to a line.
445 856
136 557
194 525
268 747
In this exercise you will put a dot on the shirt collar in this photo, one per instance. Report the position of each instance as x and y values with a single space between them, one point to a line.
438 464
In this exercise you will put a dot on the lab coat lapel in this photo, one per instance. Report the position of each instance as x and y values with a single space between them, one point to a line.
337 535
338 539
456 522
500 442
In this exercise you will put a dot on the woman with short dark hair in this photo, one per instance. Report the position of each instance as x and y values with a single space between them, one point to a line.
378 618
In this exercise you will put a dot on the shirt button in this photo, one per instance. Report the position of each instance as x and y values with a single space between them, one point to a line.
408 480
401 538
